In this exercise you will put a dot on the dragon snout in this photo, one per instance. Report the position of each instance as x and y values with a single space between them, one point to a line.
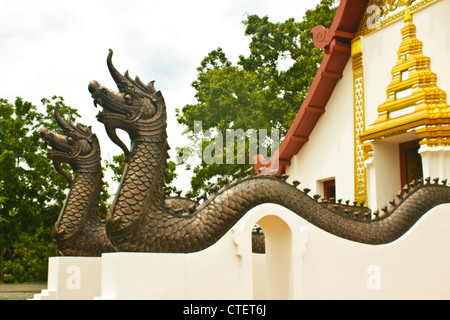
93 86
44 134
43 131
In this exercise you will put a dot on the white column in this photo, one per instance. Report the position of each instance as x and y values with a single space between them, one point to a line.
435 161
370 180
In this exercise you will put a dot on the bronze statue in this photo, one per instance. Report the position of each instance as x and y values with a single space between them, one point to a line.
142 218
78 230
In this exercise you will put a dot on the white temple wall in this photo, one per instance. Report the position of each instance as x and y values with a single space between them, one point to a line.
329 152
315 264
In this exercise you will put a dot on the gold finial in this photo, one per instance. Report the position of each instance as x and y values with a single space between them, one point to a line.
408 17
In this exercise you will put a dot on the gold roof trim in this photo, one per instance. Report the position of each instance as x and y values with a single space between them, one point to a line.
381 13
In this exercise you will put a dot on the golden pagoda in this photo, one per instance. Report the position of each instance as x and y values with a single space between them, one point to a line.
413 99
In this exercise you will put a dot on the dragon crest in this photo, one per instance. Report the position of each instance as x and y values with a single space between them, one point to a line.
78 146
137 108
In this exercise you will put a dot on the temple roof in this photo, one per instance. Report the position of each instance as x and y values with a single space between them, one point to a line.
336 43
350 16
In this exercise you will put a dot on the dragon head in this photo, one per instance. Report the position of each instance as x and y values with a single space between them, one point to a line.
77 147
137 108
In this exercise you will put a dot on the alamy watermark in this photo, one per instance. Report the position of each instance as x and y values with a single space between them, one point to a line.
234 146
377 12
373 281
374 17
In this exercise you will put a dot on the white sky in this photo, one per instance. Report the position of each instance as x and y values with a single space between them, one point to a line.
56 47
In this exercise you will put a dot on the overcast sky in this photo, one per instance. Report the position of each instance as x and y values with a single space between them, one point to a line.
56 47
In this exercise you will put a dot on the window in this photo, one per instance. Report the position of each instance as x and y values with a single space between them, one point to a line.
410 162
403 93
329 189
404 75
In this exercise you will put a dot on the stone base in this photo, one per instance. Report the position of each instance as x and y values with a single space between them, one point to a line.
72 278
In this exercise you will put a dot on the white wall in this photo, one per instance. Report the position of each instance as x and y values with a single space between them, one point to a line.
387 170
329 151
316 264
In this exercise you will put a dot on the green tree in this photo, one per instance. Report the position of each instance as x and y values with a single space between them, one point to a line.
31 189
263 91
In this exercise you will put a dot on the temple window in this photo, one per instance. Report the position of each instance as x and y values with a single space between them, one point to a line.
402 111
403 93
329 189
404 75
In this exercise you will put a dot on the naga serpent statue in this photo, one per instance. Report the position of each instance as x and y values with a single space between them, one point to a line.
140 220
78 230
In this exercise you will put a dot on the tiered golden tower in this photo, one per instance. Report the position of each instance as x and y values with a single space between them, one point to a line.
414 101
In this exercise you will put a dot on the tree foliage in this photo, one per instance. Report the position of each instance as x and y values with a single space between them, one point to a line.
31 191
263 91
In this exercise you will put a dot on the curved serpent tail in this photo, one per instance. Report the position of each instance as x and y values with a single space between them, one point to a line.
139 219
164 232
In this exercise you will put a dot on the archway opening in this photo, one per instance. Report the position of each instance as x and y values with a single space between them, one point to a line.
272 270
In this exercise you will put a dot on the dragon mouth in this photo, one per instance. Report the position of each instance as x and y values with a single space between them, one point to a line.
112 103
113 116
58 144
109 108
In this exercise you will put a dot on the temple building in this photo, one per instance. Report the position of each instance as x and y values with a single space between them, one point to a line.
376 115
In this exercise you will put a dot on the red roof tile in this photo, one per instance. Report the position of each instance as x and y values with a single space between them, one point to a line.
335 42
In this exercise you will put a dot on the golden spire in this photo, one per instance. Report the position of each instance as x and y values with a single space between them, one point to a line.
414 100
408 17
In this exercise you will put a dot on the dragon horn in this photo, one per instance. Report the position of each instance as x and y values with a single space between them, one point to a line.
117 76
61 122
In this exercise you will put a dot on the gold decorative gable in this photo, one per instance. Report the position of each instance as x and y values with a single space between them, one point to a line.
381 13
413 98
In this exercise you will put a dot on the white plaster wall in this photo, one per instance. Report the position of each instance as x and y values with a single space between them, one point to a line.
213 273
72 278
413 267
436 161
322 266
329 151
379 57
387 170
